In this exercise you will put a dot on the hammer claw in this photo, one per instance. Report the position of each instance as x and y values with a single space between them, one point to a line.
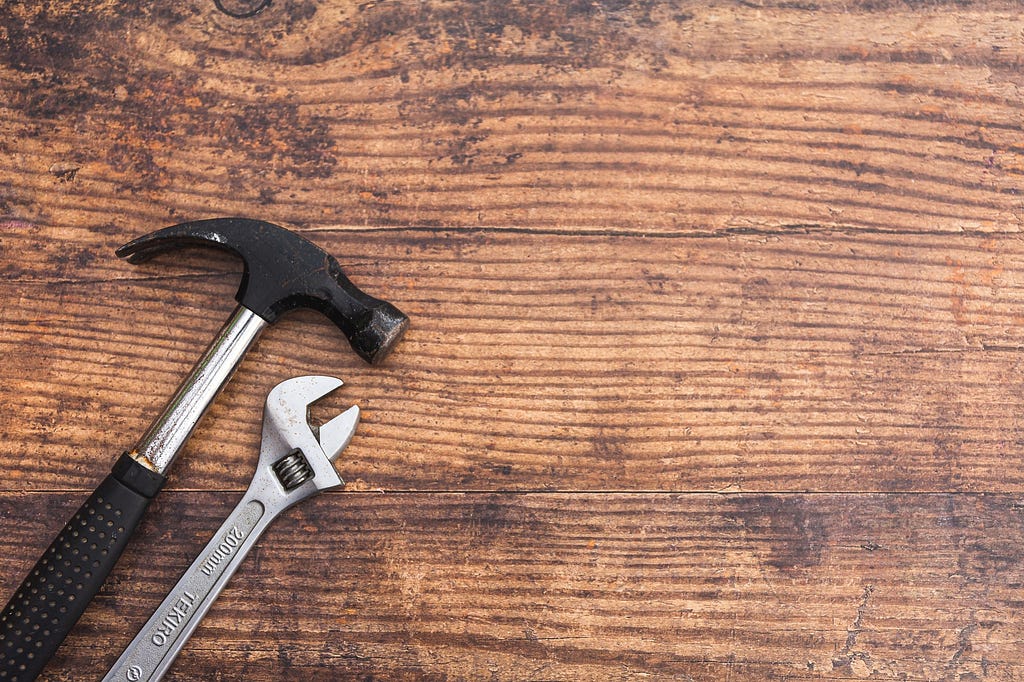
171 238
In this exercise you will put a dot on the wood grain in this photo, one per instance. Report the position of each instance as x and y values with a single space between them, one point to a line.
639 586
618 115
821 362
714 369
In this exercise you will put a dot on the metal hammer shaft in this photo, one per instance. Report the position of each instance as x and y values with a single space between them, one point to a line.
168 434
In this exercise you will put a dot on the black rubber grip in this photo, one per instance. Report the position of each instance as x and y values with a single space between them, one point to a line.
58 588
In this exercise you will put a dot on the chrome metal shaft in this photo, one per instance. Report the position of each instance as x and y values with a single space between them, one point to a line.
166 437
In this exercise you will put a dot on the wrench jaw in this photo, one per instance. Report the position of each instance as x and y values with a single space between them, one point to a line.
286 429
336 434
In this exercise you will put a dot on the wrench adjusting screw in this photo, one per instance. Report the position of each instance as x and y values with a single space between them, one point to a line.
293 470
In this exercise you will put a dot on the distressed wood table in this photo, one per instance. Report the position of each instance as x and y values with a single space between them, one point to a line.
716 364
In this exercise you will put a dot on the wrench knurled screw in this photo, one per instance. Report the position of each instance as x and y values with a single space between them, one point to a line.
293 470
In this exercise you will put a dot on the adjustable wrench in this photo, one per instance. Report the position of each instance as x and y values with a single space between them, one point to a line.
295 464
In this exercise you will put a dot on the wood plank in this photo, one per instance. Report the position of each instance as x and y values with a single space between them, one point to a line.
625 116
596 587
825 362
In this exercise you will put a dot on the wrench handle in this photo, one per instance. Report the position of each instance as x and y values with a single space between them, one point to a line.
158 643
69 574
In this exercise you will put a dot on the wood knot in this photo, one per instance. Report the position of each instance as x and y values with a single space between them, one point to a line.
242 9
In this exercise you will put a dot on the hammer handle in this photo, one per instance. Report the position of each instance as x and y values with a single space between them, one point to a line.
59 587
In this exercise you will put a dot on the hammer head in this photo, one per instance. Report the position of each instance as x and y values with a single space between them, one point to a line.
283 272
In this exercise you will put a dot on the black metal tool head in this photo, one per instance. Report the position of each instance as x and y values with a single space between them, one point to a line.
283 272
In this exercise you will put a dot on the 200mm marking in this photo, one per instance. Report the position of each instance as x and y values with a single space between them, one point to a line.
232 539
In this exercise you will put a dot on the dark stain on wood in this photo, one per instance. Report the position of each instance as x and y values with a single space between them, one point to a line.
800 534
473 36
78 67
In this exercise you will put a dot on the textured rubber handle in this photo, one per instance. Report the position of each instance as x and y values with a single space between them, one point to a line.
58 588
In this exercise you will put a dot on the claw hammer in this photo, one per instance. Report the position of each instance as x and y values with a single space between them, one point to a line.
282 272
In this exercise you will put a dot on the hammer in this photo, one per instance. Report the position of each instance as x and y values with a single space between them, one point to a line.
282 272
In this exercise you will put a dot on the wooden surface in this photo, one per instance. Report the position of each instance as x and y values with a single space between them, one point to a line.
715 370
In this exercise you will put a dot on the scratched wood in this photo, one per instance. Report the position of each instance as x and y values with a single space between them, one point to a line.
714 370
583 116
812 362
651 586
